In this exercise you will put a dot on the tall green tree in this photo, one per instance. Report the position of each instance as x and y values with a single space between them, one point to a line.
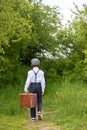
46 22
15 30
71 43
79 25
26 29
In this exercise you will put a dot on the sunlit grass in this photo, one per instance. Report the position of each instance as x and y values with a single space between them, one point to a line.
16 122
68 101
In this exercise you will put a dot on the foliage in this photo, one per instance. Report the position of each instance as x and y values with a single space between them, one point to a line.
26 29
79 25
71 46
15 32
46 22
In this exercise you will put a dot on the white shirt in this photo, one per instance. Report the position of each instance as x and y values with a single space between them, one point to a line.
31 78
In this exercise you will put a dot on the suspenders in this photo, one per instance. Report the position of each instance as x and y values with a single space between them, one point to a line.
35 75
34 86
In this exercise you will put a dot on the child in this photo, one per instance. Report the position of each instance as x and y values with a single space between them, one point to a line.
35 83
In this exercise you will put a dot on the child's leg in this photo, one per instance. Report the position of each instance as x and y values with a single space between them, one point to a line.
39 107
39 103
32 110
39 98
33 113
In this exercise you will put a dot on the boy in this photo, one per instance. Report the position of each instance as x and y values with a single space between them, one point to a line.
35 83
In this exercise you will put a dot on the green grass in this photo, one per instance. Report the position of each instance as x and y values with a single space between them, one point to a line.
9 100
64 103
69 103
16 122
12 117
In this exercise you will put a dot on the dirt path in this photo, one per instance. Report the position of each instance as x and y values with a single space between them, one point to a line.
44 124
41 125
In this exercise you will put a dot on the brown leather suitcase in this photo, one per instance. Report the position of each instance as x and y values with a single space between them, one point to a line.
28 100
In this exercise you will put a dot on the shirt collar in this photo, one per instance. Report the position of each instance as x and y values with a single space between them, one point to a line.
35 69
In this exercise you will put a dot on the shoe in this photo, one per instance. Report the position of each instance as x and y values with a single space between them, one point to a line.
39 116
33 119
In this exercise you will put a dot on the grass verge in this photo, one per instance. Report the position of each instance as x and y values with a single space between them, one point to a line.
16 122
66 104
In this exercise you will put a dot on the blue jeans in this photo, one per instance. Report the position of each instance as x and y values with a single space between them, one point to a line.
36 88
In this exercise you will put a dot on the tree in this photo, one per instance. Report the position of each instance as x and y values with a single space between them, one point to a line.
71 44
79 25
46 22
26 28
15 31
